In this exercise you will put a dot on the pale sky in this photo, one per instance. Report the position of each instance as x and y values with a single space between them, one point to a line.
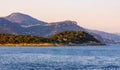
102 15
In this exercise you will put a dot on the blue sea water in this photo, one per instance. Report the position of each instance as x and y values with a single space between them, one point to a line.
60 58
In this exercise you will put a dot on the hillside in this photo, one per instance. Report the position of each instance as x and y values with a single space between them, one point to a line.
73 37
18 23
9 27
51 28
16 39
107 37
64 38
24 20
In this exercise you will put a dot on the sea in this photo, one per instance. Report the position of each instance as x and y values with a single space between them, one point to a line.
105 57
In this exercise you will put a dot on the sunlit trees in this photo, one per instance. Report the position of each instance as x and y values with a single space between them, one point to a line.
74 36
64 37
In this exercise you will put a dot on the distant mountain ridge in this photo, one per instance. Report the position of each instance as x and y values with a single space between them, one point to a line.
9 27
117 34
51 28
107 37
18 23
24 20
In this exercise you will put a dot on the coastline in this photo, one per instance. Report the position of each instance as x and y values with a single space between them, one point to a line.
51 44
25 44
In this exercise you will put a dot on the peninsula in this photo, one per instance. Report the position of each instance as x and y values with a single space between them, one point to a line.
63 38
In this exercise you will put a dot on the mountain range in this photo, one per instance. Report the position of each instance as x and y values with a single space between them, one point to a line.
117 34
24 20
18 23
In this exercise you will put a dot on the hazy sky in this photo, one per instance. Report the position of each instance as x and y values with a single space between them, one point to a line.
93 14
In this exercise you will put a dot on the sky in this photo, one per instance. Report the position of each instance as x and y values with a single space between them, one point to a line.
103 15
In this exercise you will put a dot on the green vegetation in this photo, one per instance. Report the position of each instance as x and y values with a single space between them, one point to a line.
73 37
64 37
16 39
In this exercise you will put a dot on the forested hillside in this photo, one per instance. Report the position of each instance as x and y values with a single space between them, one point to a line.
64 37
15 39
74 37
